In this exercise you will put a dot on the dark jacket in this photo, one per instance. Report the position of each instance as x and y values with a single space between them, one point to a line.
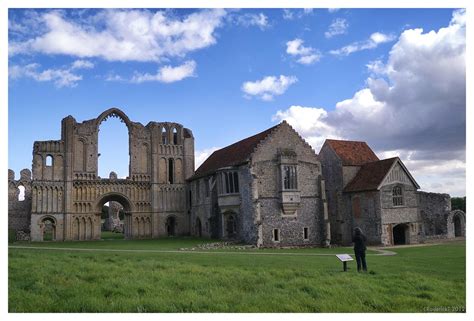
359 241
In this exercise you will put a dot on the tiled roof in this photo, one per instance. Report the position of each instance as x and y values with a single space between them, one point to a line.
352 153
370 175
232 155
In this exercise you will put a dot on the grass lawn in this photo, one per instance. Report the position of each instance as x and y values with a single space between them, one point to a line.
417 279
107 235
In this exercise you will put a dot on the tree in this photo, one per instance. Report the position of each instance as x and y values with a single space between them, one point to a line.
458 203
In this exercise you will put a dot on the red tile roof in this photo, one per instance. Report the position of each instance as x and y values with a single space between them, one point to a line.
232 155
370 175
352 153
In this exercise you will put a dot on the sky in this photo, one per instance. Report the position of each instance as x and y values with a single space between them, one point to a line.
395 78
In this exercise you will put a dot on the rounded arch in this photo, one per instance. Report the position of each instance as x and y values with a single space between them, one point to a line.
456 224
48 225
113 112
230 224
113 197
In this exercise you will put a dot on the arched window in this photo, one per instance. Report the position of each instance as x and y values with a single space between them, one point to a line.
164 136
170 171
49 160
175 136
21 193
397 195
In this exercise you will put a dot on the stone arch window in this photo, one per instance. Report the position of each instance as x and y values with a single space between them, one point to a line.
175 136
397 195
49 160
21 193
170 171
164 136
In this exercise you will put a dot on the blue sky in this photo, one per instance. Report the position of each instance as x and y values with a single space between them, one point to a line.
228 74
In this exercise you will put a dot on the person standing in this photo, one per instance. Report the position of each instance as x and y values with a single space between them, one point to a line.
359 249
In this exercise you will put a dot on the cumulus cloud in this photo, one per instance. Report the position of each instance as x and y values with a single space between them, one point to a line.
290 14
252 19
337 27
203 154
82 64
306 55
121 35
168 74
61 77
373 42
413 105
268 87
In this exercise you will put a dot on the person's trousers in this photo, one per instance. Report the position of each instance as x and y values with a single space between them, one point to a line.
360 258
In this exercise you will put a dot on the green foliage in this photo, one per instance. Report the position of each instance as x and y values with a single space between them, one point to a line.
416 280
105 212
458 203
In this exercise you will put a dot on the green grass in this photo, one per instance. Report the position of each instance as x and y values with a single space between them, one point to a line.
417 279
106 235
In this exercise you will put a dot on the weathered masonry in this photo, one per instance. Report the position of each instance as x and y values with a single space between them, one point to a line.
67 195
270 189
265 190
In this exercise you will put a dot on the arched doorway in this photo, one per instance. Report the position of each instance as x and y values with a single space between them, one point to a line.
230 225
198 227
400 234
124 207
170 226
48 229
457 226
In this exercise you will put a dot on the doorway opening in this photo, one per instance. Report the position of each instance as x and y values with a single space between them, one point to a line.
400 236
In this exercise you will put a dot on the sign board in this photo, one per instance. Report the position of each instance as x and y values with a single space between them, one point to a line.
344 257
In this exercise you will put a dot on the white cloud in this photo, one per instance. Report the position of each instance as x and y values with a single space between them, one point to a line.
202 155
251 19
61 77
268 87
307 55
338 27
122 35
82 64
168 74
414 105
332 10
374 40
290 14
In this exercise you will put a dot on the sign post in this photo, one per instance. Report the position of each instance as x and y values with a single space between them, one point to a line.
344 258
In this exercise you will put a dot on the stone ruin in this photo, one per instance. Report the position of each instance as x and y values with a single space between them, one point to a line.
64 194
112 222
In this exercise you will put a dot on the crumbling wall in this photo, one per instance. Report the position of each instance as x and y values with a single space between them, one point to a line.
434 211
19 211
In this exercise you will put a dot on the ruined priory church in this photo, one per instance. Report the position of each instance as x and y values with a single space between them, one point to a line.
271 189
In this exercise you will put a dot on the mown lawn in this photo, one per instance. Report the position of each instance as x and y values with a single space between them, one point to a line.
417 279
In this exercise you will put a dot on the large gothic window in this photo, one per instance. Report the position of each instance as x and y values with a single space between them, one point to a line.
113 148
230 182
289 177
397 195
